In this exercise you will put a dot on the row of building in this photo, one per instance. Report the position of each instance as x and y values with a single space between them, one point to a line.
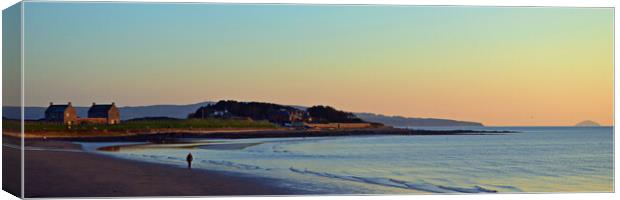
97 114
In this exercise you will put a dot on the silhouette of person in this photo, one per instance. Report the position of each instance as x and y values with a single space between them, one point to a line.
189 159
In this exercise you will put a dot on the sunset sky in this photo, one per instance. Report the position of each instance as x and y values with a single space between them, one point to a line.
497 65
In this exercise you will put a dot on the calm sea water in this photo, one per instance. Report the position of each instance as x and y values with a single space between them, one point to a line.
538 159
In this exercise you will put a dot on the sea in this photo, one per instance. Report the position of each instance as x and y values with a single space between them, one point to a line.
531 160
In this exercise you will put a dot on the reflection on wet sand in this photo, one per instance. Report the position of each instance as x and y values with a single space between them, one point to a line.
211 145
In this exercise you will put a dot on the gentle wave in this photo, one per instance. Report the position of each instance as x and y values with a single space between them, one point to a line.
234 165
508 187
420 186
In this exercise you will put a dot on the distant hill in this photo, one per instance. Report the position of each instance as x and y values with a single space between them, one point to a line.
409 121
181 111
127 112
174 111
587 123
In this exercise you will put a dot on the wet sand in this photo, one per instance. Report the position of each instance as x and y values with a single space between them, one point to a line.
66 171
11 170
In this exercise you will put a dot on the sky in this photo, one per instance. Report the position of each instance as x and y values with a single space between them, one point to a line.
502 66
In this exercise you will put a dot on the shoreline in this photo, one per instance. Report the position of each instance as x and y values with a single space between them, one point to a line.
116 177
165 135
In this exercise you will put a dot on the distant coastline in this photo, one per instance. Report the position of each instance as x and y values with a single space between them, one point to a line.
413 121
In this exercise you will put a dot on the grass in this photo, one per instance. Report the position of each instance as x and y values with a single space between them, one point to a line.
136 126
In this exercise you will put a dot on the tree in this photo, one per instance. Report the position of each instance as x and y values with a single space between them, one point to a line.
327 114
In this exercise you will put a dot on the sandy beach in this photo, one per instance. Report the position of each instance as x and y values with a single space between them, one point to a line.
66 171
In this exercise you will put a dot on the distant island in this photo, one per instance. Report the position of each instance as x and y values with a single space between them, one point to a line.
587 123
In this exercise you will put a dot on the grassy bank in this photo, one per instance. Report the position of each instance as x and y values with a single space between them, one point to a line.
137 126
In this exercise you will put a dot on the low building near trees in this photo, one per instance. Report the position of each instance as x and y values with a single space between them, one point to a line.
104 113
97 114
61 113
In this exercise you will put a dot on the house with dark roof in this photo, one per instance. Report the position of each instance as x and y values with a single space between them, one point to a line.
106 113
61 113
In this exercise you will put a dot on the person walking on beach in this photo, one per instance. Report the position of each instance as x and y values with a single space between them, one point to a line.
189 160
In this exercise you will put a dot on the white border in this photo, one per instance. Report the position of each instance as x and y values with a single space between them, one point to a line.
561 3
22 91
568 3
